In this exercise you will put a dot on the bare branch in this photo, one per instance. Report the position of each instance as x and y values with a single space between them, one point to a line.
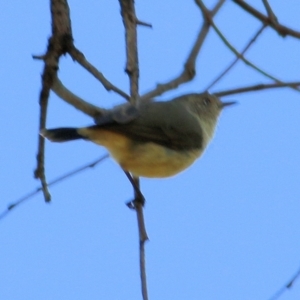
132 64
51 183
270 13
80 58
132 70
217 7
142 23
142 238
257 34
189 70
60 43
257 87
239 55
282 30
137 204
287 286
57 46
61 91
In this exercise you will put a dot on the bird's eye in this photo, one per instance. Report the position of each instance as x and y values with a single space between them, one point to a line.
206 101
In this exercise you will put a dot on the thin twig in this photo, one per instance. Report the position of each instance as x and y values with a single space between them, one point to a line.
282 30
257 87
270 13
286 287
254 38
61 91
230 47
189 70
51 183
142 23
80 58
217 7
241 57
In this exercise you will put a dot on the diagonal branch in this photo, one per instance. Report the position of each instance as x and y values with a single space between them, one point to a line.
250 43
51 183
239 55
270 13
286 287
281 29
189 70
211 22
61 91
80 58
257 87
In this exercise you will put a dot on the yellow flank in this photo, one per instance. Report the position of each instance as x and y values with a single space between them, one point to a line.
155 161
142 159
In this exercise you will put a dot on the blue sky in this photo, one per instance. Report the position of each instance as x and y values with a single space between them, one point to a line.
227 228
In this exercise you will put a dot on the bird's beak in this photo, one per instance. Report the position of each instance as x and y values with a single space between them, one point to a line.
223 104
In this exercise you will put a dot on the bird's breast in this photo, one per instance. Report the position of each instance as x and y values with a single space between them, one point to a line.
155 161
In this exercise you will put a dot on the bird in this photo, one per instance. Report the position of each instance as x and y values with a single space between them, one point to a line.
156 139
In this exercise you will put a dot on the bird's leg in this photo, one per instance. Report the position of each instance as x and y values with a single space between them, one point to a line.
137 204
139 197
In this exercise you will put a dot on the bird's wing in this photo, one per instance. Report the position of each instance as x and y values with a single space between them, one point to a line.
165 123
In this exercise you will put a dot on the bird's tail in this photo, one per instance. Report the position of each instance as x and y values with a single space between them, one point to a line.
61 134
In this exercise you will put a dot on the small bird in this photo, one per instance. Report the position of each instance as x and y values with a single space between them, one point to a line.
159 139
